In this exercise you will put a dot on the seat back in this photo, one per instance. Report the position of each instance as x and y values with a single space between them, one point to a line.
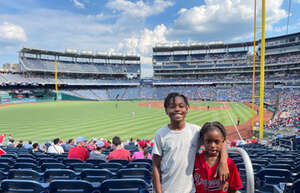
113 167
8 160
4 167
21 186
280 166
10 155
58 174
143 160
139 165
26 160
96 162
140 173
46 166
67 186
3 175
124 162
26 155
68 161
78 167
95 175
123 186
24 174
270 176
48 160
26 165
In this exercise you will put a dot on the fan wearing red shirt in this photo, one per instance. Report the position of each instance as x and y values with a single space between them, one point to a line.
119 152
212 136
79 151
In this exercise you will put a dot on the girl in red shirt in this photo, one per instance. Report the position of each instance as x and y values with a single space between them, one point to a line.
212 136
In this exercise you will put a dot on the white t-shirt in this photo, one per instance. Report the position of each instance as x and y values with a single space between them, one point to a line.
55 149
178 150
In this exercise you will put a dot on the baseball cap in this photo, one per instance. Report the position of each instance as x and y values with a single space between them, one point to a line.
100 144
142 143
80 139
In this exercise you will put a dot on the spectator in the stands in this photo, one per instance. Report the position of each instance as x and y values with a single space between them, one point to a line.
9 137
28 145
79 151
35 148
97 154
254 140
69 145
47 144
11 143
56 147
20 144
119 152
91 145
143 151
131 142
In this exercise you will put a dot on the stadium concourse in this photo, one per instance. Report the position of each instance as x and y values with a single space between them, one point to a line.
204 72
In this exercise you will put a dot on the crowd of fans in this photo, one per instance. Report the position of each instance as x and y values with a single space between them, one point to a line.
84 149
288 111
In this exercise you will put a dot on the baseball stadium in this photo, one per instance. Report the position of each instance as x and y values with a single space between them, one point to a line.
216 78
56 98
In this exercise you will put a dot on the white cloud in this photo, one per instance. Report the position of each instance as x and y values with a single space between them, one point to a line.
131 16
142 45
11 32
145 41
78 4
140 8
223 19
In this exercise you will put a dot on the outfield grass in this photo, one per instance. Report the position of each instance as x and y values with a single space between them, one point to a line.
69 119
206 103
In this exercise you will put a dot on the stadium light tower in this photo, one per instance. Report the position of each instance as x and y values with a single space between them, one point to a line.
262 72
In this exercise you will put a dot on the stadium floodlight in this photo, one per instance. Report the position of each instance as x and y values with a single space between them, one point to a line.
99 53
86 52
71 51
215 42
117 54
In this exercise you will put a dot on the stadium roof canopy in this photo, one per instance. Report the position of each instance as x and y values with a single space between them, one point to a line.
284 36
206 46
76 55
201 47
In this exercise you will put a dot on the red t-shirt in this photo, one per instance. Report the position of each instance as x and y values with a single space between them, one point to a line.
206 182
254 141
2 138
2 151
119 154
78 152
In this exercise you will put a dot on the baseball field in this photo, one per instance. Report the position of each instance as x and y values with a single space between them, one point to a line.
138 119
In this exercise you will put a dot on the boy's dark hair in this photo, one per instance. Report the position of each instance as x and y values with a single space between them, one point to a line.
55 141
35 145
171 99
70 141
209 126
116 141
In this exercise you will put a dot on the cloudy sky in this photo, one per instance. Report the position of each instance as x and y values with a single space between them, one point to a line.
133 26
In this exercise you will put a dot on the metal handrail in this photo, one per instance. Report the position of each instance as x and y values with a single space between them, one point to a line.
248 166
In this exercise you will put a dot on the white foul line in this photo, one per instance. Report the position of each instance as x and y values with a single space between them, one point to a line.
229 113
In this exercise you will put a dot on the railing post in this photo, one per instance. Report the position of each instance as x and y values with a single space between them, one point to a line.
248 166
